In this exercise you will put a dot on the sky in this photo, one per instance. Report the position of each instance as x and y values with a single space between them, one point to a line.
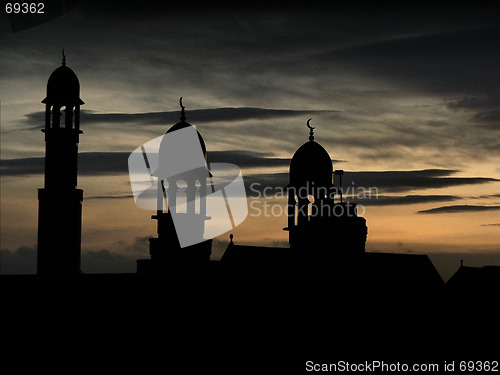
406 101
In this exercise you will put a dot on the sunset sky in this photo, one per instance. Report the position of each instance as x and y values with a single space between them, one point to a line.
406 101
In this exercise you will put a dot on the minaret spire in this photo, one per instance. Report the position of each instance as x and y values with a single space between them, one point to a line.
311 132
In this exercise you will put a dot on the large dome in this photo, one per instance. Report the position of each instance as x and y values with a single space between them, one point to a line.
183 124
311 165
63 87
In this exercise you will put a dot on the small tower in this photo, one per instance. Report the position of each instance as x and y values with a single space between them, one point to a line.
185 194
316 224
60 202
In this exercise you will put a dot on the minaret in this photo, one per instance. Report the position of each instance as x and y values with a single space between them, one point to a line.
317 224
185 195
60 202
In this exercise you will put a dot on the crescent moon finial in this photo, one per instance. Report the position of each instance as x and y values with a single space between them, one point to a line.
309 126
180 102
311 133
64 57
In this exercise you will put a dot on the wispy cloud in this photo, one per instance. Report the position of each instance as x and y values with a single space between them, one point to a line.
111 196
383 200
196 116
459 209
112 163
103 163
383 182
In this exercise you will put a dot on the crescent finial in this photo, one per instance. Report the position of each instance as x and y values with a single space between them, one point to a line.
180 102
309 126
64 57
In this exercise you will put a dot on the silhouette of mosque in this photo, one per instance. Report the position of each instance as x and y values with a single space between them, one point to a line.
326 235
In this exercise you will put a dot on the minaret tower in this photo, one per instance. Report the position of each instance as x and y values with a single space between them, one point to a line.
60 202
185 198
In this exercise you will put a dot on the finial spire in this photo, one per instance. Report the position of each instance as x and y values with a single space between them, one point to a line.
64 58
183 113
311 133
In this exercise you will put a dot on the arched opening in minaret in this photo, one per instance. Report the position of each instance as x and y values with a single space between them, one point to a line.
68 116
56 116
310 206
198 195
181 199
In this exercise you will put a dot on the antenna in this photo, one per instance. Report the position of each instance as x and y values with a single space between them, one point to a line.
340 173
183 113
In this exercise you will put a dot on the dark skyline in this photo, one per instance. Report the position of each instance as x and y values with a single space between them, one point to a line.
404 99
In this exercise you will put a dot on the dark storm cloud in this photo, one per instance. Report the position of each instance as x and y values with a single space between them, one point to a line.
483 111
445 63
459 209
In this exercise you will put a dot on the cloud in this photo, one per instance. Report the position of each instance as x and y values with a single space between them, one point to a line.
488 119
484 111
104 261
378 182
195 116
459 209
112 163
399 181
403 200
107 163
125 196
23 261
89 164
491 225
19 261
434 62
247 159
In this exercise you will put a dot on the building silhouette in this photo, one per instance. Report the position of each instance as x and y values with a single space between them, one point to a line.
60 201
327 236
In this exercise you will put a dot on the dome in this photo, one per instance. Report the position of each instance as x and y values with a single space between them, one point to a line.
311 164
186 153
183 124
63 87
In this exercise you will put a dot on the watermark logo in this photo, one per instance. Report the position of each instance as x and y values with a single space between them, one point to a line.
170 173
